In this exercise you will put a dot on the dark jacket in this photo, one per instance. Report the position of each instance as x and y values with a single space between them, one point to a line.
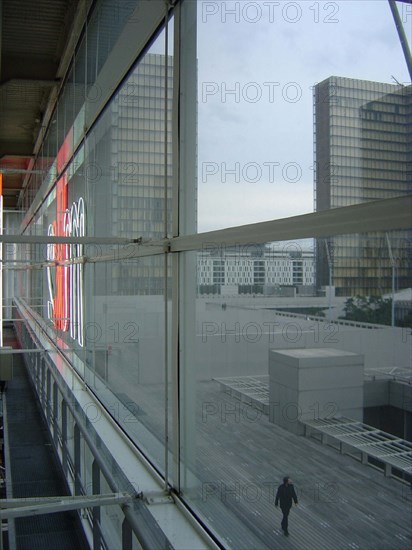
285 494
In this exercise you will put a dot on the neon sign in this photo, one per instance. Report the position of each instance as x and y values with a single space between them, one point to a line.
65 303
1 261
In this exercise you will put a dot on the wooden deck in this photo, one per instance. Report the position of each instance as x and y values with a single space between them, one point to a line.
241 458
236 460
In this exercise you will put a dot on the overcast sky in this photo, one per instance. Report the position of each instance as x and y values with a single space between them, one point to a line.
257 65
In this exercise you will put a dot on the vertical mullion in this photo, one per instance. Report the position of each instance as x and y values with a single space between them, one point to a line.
175 257
127 535
185 264
55 414
96 509
77 459
65 450
48 396
165 271
42 385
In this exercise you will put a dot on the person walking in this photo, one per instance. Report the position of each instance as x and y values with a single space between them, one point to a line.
285 494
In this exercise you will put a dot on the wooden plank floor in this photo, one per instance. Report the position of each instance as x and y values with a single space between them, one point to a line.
241 458
237 460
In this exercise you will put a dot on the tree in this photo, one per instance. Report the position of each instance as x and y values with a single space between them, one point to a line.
368 309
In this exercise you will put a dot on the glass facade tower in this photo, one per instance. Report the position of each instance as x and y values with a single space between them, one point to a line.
363 152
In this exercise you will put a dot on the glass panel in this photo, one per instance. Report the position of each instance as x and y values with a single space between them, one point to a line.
110 317
373 264
70 445
262 355
78 84
126 155
111 518
87 462
104 28
67 125
258 65
124 346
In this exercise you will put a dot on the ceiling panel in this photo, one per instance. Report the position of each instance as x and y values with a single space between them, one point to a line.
34 35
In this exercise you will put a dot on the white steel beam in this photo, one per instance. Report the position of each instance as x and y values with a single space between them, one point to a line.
402 34
52 239
24 507
8 351
383 215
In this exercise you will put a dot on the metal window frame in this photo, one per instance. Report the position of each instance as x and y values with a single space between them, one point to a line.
383 215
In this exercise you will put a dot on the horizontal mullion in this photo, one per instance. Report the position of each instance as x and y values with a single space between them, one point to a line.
128 252
383 215
57 239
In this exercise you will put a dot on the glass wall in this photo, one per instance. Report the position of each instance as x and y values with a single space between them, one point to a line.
243 410
110 310
178 333
258 67
271 139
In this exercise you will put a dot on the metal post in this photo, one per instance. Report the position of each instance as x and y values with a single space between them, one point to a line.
393 293
77 458
36 376
393 265
43 385
96 510
55 414
48 396
184 265
9 485
402 35
127 536
166 231
64 438
330 278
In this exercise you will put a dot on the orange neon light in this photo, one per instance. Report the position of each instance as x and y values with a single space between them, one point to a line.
61 302
65 283
1 184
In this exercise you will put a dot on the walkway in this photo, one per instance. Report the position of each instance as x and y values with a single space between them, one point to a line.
33 469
